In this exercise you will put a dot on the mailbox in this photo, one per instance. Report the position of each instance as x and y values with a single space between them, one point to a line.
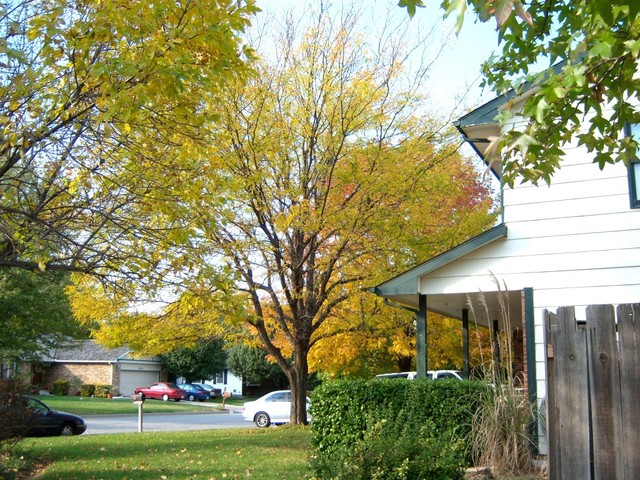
137 397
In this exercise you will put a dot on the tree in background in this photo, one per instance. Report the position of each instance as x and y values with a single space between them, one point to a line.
102 106
591 96
34 313
204 360
251 364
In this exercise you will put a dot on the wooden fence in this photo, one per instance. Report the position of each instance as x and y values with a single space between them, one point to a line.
593 396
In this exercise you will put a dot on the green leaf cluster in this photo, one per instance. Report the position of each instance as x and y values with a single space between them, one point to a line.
103 106
578 61
34 312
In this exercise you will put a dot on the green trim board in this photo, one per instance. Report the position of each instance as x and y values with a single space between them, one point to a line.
484 114
407 283
532 386
421 338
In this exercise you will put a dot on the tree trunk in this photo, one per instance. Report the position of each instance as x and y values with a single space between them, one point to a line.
300 373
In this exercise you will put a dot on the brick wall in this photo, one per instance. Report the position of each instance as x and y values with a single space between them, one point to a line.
97 374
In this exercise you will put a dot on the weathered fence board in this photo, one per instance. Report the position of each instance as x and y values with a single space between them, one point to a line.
572 400
594 393
604 391
629 332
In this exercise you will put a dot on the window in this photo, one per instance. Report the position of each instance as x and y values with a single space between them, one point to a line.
633 130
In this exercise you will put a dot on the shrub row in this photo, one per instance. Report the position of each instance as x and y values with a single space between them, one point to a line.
91 390
393 428
61 387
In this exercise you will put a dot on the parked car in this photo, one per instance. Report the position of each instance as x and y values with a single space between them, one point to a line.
431 375
194 392
274 407
214 392
46 422
162 391
444 374
407 375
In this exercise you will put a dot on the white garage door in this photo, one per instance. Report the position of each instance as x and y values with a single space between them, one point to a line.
130 380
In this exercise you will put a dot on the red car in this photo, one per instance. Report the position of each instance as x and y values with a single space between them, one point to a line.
162 391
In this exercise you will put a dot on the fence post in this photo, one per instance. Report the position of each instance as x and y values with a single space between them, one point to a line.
551 423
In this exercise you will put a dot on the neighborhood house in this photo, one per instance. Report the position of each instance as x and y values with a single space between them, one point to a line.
87 362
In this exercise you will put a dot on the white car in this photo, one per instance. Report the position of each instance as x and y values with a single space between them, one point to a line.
274 407
431 375
444 374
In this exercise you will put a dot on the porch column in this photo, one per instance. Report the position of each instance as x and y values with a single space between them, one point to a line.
496 352
465 343
421 337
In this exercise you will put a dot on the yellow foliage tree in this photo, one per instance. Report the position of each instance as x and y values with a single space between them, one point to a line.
103 106
323 175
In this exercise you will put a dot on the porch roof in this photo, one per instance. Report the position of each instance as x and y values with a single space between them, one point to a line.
405 288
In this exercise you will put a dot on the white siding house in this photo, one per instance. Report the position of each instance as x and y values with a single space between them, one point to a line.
574 243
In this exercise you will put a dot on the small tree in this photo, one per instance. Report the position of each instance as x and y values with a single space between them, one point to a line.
34 312
252 366
204 360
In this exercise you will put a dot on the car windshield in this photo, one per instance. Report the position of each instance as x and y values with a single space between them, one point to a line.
37 406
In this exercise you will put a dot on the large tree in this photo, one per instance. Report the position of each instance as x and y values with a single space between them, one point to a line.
579 61
453 205
102 105
314 179
327 154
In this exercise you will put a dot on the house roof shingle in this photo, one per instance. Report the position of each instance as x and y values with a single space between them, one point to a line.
84 351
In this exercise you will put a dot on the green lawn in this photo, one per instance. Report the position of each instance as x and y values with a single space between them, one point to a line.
96 406
274 453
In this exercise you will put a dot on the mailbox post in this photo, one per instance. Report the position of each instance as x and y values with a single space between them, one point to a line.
138 399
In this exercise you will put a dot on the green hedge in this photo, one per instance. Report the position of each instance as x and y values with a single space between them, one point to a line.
348 416
61 387
102 391
87 390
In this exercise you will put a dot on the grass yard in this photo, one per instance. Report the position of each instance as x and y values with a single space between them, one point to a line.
274 453
96 406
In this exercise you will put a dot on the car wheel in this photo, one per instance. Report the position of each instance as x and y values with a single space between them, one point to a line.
67 430
191 398
262 420
165 397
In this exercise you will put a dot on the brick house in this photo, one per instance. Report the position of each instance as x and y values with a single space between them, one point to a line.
87 362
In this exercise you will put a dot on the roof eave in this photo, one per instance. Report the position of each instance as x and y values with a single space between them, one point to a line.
407 283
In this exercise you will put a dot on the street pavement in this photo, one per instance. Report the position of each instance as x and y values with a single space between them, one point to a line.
165 422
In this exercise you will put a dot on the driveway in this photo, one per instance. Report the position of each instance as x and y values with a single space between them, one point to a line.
164 422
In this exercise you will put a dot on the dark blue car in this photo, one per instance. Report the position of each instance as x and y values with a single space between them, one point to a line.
45 421
194 392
